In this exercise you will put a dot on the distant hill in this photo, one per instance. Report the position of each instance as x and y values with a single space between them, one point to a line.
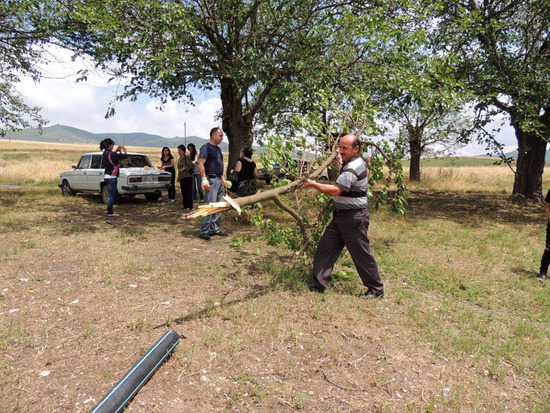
68 134
514 155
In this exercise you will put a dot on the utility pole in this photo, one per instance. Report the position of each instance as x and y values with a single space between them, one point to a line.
185 134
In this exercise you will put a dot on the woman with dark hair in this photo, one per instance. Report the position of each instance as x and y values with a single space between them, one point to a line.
110 162
247 172
185 166
196 186
167 163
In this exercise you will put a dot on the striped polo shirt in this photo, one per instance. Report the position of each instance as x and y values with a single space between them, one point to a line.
353 181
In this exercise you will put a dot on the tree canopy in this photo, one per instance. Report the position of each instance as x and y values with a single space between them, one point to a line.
244 48
502 49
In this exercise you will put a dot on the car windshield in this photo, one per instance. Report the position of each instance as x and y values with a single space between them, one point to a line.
135 161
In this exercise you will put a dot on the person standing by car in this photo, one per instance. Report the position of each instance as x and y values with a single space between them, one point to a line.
111 161
196 186
247 172
167 163
211 169
185 166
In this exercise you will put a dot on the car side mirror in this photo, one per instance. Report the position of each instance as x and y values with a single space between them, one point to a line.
74 166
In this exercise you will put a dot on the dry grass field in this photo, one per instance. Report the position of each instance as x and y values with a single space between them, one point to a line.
463 326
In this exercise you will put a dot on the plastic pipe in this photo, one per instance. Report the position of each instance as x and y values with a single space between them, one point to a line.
137 376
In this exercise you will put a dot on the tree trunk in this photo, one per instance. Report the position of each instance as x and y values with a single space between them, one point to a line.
530 164
415 148
236 128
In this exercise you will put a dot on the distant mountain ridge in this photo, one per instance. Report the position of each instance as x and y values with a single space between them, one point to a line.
514 155
68 134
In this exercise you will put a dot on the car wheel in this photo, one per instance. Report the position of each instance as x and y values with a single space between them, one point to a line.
105 193
152 197
66 189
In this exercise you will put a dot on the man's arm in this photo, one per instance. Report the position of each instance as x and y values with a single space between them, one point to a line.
329 189
547 210
201 167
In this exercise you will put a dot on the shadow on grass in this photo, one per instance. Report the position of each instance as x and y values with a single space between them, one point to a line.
257 291
467 208
523 273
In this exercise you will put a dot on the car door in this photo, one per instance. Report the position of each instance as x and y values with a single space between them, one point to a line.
94 173
77 179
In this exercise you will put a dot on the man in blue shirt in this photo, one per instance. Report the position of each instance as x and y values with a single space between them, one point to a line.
211 170
350 223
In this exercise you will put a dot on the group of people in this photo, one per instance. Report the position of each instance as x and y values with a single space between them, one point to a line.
187 174
194 172
348 228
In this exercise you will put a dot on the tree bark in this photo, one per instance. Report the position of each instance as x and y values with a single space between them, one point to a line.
236 127
415 148
530 164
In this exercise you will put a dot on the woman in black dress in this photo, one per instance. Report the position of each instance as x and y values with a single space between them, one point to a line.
247 172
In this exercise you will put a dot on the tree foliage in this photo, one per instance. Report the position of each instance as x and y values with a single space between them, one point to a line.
21 40
318 146
422 96
502 49
243 48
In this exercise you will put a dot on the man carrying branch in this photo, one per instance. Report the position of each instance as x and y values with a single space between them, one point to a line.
350 223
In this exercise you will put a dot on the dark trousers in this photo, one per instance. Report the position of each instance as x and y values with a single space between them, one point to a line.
349 229
546 255
186 185
172 189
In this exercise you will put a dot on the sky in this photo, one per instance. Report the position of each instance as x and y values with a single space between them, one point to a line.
83 105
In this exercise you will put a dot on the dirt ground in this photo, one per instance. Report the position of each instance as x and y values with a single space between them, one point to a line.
83 297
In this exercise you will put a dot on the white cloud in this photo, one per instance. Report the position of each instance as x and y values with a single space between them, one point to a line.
504 133
83 105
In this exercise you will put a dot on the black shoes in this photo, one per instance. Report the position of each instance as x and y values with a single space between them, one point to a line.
542 277
369 295
219 234
313 287
207 236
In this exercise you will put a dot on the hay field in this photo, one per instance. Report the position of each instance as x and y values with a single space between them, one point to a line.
37 163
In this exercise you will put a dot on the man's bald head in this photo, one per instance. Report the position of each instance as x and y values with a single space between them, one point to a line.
352 140
349 147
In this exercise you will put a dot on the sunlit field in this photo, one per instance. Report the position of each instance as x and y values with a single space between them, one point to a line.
37 163
465 178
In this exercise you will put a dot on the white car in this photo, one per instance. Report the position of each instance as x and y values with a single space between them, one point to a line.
137 176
